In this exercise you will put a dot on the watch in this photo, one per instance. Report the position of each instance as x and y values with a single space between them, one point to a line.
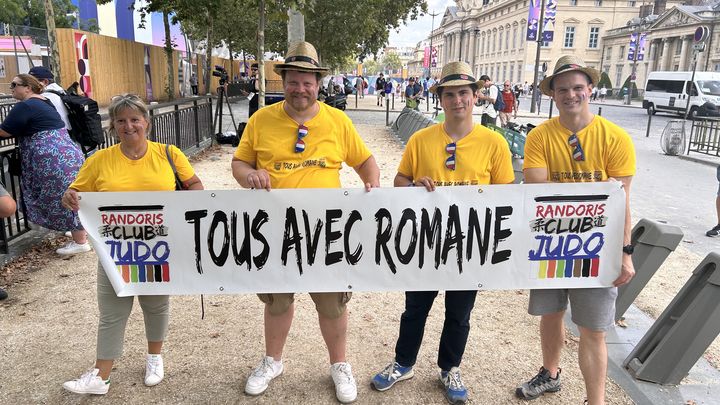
628 249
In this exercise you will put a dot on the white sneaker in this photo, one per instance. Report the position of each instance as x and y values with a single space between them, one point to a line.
88 383
258 381
73 248
345 387
154 371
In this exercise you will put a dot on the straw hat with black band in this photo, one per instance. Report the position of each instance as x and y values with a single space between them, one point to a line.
568 63
302 57
455 74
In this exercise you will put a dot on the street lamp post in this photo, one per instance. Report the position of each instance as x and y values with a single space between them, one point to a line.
536 94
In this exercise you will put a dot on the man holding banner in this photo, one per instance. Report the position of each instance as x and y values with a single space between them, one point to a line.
577 146
300 143
456 152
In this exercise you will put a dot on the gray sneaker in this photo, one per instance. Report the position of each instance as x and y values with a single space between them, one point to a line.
539 385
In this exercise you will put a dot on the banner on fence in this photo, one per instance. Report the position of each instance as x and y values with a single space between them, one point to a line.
388 239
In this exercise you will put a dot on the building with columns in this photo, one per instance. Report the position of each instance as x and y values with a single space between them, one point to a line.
669 43
490 34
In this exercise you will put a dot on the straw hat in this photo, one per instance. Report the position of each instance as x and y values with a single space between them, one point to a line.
569 63
301 56
455 74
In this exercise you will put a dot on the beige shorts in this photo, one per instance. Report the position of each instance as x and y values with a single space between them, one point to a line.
330 305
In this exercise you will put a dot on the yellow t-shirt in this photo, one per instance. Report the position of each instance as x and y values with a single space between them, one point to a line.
269 141
481 157
110 170
608 149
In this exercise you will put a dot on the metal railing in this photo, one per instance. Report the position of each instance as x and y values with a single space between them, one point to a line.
705 136
184 123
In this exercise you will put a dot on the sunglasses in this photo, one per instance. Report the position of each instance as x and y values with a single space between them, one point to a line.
577 154
13 85
300 144
450 161
126 96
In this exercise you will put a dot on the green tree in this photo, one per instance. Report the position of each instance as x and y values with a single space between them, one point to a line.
370 67
392 61
341 28
32 13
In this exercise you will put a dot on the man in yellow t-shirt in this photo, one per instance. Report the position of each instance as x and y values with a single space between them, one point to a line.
577 146
457 152
301 143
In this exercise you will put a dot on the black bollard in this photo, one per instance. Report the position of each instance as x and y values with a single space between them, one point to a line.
600 111
393 101
387 114
647 133
356 98
551 107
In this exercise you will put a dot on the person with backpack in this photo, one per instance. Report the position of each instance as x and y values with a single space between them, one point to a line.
45 76
49 161
380 89
488 100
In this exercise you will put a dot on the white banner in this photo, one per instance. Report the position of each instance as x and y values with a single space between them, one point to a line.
390 239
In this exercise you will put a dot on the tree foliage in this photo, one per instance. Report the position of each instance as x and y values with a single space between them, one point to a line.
32 13
392 62
341 28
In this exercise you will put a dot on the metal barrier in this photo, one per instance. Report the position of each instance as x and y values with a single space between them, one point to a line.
653 243
683 332
408 122
705 136
186 125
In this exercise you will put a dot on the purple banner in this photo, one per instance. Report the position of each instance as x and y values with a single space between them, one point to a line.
637 44
533 17
641 49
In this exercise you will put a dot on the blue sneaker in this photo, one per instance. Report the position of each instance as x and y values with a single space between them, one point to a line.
393 373
455 391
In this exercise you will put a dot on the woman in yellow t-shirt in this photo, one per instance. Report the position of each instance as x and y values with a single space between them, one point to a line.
134 164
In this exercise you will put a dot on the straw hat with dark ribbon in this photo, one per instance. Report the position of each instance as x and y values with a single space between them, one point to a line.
569 63
455 74
301 56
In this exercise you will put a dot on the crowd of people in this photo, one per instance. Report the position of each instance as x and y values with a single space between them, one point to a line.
574 145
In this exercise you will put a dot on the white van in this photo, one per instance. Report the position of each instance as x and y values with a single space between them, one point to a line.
669 91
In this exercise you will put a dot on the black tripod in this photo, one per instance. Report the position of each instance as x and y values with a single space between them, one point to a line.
219 111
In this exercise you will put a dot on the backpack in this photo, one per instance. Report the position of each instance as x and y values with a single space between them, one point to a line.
499 102
84 118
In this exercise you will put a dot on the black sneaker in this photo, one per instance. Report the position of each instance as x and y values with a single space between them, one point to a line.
3 294
539 385
713 232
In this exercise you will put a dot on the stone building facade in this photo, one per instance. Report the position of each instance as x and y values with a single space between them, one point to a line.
669 44
490 34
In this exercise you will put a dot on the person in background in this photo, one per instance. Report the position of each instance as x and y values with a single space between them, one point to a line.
51 90
380 89
50 160
486 98
412 94
7 208
194 84
255 90
509 100
456 152
715 231
133 164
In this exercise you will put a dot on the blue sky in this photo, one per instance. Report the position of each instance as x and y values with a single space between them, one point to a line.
419 29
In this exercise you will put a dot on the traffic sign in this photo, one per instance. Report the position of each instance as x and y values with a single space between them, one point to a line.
700 46
701 34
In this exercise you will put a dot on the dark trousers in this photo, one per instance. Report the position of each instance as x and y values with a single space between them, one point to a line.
194 89
458 305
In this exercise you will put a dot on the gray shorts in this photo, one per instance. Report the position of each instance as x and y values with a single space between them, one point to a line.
592 308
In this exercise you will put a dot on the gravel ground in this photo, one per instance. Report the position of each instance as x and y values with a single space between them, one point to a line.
49 324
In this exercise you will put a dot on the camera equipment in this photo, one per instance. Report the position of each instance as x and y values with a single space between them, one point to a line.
221 73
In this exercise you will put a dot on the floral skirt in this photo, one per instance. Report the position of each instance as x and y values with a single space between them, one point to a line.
50 163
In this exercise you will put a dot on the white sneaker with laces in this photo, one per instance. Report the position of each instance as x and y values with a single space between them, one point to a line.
258 381
154 371
88 383
73 248
345 386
